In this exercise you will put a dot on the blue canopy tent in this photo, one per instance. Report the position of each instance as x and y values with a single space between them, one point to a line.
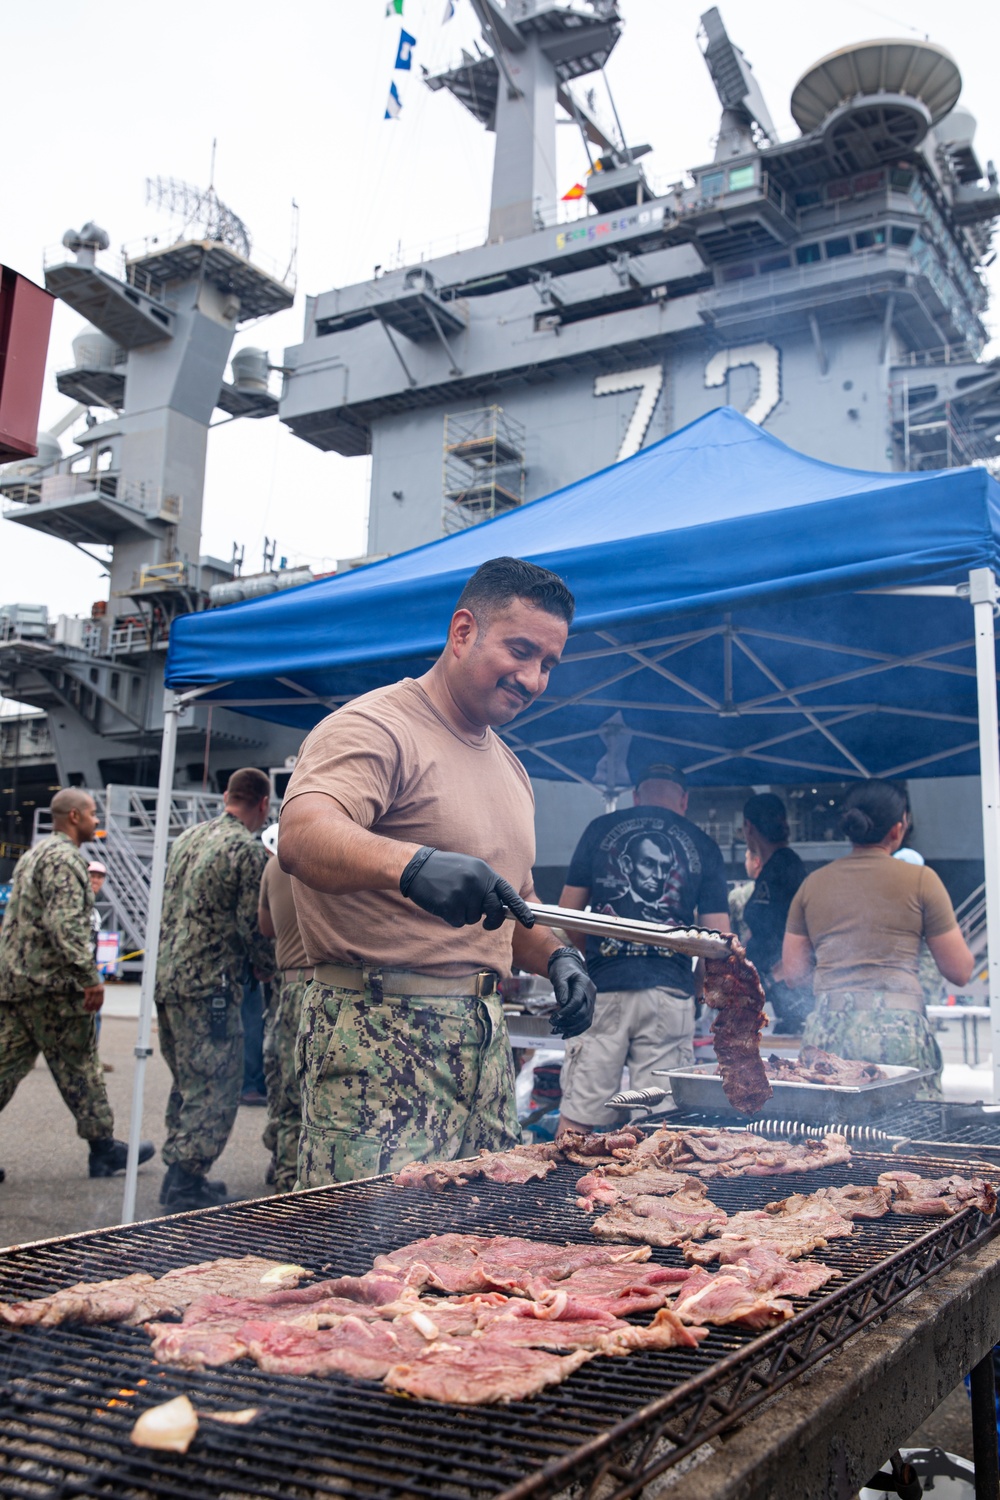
758 613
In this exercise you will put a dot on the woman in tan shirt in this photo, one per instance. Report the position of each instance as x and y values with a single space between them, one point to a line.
856 927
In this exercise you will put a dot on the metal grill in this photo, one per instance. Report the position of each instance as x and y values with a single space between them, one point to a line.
927 1126
69 1396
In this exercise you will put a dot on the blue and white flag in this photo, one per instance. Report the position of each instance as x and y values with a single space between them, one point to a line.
404 55
394 107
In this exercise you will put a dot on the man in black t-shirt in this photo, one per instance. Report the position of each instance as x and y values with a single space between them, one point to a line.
648 862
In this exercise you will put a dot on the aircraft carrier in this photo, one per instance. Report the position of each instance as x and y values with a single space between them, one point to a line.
830 286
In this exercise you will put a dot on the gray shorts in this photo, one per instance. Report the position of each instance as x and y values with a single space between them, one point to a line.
640 1029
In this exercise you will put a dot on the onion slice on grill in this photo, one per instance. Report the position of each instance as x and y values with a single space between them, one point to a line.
171 1426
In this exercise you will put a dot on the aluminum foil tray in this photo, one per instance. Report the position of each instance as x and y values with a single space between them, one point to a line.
812 1103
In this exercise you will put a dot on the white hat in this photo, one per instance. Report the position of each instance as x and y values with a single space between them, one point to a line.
96 868
269 838
909 856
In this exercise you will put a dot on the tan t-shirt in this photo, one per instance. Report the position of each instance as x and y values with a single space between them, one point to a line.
278 901
865 915
397 767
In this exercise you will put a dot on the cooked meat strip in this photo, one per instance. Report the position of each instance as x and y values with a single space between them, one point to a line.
472 1372
523 1164
197 1346
733 989
942 1196
138 1297
855 1202
795 1226
671 1220
813 1065
602 1147
778 1158
599 1189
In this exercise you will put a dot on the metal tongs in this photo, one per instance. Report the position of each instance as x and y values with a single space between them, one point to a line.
697 942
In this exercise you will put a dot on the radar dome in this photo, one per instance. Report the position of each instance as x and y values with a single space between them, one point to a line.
920 71
93 350
250 369
49 450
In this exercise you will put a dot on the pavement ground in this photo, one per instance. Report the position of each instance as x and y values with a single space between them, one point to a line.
48 1193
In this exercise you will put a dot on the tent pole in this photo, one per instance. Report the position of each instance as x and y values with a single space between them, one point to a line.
983 597
172 708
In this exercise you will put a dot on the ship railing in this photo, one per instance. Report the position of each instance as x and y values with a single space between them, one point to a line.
128 639
473 239
944 354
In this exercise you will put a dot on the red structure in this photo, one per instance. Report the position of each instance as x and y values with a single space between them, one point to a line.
25 319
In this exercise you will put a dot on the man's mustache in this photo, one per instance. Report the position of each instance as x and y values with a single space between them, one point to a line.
514 687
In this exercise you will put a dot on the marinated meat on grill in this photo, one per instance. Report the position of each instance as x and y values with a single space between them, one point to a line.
813 1065
138 1297
778 1158
733 988
356 1346
473 1262
196 1347
794 1226
524 1164
766 1270
678 1217
855 1202
724 1298
600 1148
943 1196
619 1290
601 1189
478 1371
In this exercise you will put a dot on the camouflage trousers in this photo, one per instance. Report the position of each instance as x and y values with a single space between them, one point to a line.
876 1033
390 1079
65 1034
284 1105
207 1077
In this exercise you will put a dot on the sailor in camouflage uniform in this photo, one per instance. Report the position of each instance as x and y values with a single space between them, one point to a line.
50 990
276 919
407 817
209 932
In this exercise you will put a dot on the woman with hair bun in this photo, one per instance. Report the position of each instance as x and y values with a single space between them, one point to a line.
765 828
860 922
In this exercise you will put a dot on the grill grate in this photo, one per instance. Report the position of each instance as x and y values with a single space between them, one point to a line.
928 1125
64 1424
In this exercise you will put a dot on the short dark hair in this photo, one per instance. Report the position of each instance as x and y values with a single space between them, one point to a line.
870 809
495 583
646 762
766 812
248 786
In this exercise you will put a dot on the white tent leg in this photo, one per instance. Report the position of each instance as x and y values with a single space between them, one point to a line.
983 597
168 755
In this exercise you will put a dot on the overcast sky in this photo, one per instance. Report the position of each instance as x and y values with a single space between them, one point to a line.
97 98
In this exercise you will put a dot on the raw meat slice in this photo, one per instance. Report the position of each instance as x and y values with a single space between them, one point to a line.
195 1346
615 1289
471 1263
794 1226
942 1196
471 1372
767 1270
726 1299
356 1346
138 1297
666 1331
854 1202
733 988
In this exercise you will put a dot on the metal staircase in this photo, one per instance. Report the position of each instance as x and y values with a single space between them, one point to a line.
128 817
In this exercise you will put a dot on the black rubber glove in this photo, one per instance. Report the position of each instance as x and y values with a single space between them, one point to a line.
461 890
575 993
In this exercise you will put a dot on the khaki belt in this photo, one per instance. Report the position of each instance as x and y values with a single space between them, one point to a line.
306 971
401 982
873 999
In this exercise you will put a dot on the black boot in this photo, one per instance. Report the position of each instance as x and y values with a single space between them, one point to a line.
110 1156
174 1174
188 1190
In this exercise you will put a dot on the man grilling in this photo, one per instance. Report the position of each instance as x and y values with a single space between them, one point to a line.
408 826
